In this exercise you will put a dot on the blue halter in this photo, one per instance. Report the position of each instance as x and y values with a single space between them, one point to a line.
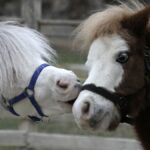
28 93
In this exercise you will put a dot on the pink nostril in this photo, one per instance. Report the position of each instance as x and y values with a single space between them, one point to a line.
86 108
62 84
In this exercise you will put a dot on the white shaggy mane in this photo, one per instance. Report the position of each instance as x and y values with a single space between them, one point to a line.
105 22
21 51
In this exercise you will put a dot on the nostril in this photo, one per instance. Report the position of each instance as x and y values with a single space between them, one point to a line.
86 108
62 85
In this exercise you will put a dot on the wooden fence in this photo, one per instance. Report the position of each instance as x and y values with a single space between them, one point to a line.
31 14
67 142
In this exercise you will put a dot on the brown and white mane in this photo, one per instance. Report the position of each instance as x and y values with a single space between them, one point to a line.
106 22
117 39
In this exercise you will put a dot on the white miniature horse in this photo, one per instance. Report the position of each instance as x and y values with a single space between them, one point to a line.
118 85
29 85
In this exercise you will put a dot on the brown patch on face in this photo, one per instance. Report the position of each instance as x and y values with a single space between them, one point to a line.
134 29
134 72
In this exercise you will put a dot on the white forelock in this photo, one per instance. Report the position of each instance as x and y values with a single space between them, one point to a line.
21 49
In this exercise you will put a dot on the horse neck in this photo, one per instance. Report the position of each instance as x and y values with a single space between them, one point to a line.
142 124
14 83
142 127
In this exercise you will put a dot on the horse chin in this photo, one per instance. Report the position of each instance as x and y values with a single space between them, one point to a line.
67 104
71 102
98 126
114 124
110 125
103 123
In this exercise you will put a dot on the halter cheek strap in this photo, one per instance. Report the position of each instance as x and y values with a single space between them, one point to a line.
29 94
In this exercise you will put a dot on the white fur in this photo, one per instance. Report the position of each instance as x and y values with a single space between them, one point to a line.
22 50
104 71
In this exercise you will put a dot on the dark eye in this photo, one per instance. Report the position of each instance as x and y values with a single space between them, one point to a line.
122 57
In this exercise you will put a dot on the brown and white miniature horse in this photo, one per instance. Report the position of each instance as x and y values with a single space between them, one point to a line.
118 84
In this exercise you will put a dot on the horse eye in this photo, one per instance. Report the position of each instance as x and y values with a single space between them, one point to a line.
122 57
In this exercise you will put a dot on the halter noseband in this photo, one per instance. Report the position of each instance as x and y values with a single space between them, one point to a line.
122 102
29 94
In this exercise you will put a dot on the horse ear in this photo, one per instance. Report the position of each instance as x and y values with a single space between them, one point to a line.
137 22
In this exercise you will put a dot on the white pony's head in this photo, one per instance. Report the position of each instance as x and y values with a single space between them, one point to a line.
22 50
116 38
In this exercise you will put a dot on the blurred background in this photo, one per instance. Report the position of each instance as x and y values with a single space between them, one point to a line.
57 19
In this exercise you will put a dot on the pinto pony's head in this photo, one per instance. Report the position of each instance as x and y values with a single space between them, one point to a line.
25 85
116 39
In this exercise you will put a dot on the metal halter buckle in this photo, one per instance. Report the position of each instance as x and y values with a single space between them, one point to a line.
29 92
4 102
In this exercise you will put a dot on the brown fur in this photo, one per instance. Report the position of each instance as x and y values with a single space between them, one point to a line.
131 23
137 36
134 73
